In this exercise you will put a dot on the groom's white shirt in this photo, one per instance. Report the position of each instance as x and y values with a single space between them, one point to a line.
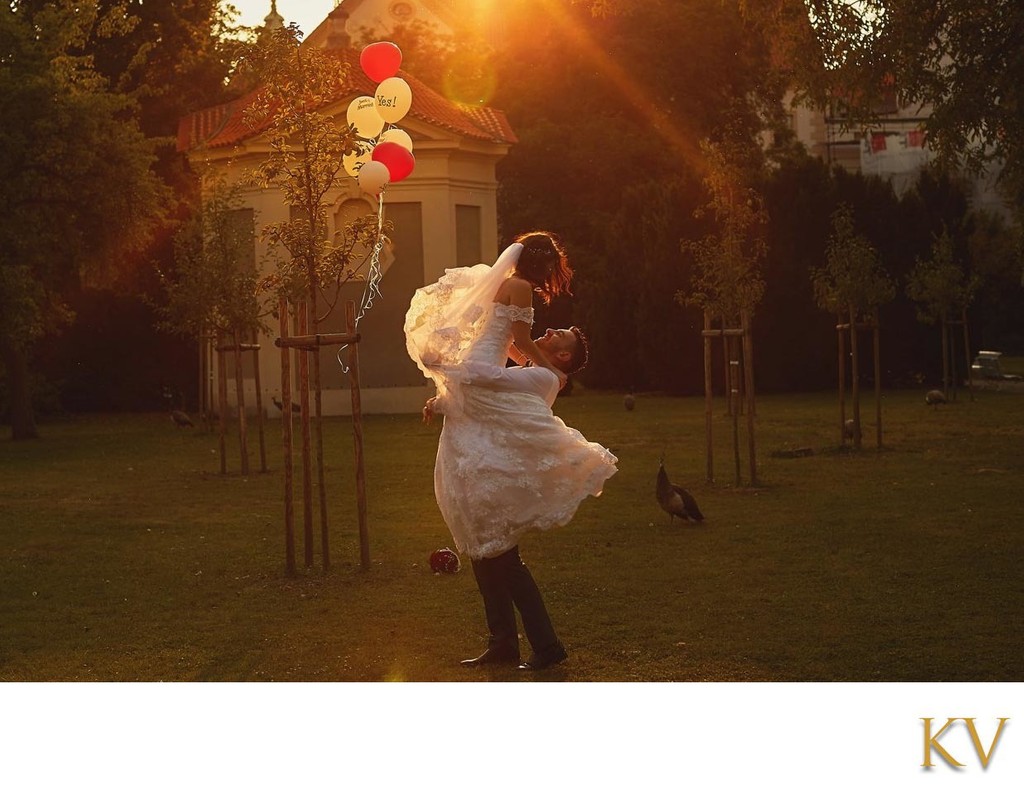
539 381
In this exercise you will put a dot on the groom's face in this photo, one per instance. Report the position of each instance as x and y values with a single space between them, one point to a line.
557 341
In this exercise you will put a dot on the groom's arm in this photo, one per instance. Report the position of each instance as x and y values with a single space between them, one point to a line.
535 380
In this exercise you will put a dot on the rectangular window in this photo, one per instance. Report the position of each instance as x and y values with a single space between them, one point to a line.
468 235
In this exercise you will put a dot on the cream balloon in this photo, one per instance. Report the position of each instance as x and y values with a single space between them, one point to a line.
393 99
399 136
373 176
362 114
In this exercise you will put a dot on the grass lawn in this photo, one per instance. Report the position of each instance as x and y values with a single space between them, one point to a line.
125 555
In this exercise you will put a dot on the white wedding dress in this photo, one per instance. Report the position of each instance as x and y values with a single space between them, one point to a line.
505 463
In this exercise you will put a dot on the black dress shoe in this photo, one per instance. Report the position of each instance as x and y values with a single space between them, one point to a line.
493 655
541 661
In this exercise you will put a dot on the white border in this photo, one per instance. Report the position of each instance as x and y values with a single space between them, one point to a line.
502 744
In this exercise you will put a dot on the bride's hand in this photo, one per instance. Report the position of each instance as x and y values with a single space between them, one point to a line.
428 411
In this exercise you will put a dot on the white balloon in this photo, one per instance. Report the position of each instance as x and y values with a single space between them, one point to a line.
399 136
393 98
362 114
373 176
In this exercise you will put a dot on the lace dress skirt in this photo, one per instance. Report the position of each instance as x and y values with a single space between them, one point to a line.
506 465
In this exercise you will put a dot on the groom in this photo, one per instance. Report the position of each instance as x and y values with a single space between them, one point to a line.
504 581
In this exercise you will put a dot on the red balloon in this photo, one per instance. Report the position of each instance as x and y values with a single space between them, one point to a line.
398 159
380 60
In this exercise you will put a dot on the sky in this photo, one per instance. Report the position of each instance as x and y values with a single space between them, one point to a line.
307 13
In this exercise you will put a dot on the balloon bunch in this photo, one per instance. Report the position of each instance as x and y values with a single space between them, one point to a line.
385 155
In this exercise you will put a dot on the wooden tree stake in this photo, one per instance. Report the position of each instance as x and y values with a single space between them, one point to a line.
222 401
967 354
307 466
357 437
708 406
325 543
260 415
286 437
748 386
876 340
855 379
841 328
734 396
243 441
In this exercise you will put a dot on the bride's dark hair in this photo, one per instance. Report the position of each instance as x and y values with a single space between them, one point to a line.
544 263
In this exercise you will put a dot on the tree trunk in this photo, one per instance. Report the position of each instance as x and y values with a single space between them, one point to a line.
945 358
19 389
954 382
222 405
967 354
876 342
841 362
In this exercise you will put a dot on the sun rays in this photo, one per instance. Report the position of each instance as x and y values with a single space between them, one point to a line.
640 98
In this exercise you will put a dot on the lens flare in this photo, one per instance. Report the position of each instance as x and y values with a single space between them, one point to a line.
469 79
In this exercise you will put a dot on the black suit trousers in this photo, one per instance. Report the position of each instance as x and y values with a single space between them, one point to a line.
506 584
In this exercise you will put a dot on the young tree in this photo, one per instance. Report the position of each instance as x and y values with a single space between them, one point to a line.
942 291
851 276
306 164
728 284
852 284
79 194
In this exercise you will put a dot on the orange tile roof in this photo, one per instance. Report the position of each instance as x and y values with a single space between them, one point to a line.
224 125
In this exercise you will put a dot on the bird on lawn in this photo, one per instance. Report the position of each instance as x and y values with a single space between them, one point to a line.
848 429
179 418
629 401
934 397
280 406
676 501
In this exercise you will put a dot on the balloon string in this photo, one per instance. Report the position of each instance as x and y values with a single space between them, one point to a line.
373 278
